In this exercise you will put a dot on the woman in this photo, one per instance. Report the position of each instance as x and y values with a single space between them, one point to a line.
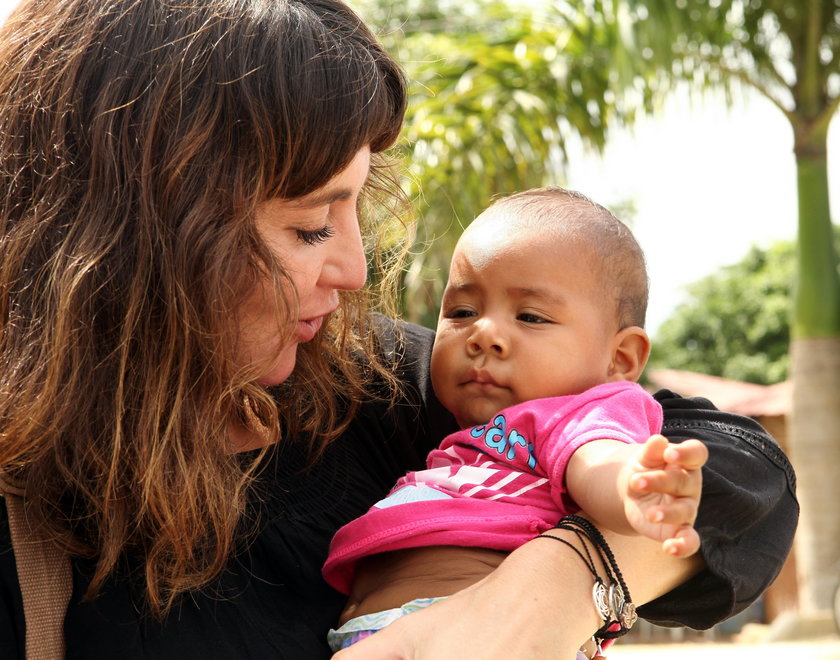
194 397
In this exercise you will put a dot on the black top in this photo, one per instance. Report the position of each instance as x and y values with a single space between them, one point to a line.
272 602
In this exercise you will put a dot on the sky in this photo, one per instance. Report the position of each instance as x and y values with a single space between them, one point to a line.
708 181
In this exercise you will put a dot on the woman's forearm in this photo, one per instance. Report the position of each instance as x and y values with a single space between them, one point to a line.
537 604
649 572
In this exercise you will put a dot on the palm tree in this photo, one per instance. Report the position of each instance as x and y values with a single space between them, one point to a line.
790 53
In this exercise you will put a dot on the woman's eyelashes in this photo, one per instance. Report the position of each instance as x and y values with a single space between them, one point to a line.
316 236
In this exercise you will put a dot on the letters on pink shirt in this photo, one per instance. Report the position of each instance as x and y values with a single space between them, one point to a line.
498 485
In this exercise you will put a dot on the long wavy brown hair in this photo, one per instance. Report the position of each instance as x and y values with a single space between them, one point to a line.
136 139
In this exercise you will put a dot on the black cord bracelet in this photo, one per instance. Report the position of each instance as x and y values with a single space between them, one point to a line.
613 602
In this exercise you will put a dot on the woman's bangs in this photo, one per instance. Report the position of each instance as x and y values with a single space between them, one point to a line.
346 94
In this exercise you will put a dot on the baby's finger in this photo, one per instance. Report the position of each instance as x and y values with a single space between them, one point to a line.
676 482
653 452
677 512
689 455
684 543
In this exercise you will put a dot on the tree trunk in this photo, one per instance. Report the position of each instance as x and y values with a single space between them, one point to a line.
815 370
815 453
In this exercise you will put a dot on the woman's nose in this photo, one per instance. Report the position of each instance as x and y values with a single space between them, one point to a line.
346 266
487 337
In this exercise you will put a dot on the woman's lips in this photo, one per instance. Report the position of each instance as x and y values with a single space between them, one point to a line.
308 328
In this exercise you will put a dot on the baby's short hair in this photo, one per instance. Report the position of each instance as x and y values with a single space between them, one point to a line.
568 214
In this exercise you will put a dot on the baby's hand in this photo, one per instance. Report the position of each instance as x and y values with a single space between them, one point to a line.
663 493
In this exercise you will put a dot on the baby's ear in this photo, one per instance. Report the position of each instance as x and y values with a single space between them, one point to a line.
630 351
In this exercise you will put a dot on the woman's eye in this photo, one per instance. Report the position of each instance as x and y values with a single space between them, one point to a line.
313 237
531 318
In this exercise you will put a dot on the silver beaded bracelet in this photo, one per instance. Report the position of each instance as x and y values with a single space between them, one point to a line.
611 597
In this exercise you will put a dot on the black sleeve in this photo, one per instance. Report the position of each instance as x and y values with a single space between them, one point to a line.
747 517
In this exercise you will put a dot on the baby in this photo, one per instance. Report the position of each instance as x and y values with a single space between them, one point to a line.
539 343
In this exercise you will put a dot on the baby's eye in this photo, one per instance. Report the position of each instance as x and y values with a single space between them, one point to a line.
315 236
527 317
459 313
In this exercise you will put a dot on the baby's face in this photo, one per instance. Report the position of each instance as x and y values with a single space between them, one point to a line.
523 317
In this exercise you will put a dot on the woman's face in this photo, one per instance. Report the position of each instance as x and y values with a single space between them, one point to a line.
317 240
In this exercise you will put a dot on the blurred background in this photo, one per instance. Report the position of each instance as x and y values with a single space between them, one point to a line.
707 126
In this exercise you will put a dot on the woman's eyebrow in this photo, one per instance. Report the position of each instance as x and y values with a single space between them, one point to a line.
321 198
327 195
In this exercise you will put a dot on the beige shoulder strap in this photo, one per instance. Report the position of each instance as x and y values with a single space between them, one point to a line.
46 580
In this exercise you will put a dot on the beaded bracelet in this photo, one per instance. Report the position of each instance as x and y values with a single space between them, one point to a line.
613 602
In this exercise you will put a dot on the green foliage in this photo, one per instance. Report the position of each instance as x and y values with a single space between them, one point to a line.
496 92
735 323
499 87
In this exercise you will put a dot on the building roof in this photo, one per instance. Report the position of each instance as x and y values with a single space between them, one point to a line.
731 395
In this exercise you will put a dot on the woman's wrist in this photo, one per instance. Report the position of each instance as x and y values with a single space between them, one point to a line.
610 595
648 572
591 559
554 580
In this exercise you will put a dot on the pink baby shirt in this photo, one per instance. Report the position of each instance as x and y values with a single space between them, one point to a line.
495 486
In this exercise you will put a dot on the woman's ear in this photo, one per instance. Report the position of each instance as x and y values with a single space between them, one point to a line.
630 351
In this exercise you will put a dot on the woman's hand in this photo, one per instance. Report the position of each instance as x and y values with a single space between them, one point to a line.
536 605
463 626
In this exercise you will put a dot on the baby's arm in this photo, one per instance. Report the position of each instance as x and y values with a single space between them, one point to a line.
651 489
